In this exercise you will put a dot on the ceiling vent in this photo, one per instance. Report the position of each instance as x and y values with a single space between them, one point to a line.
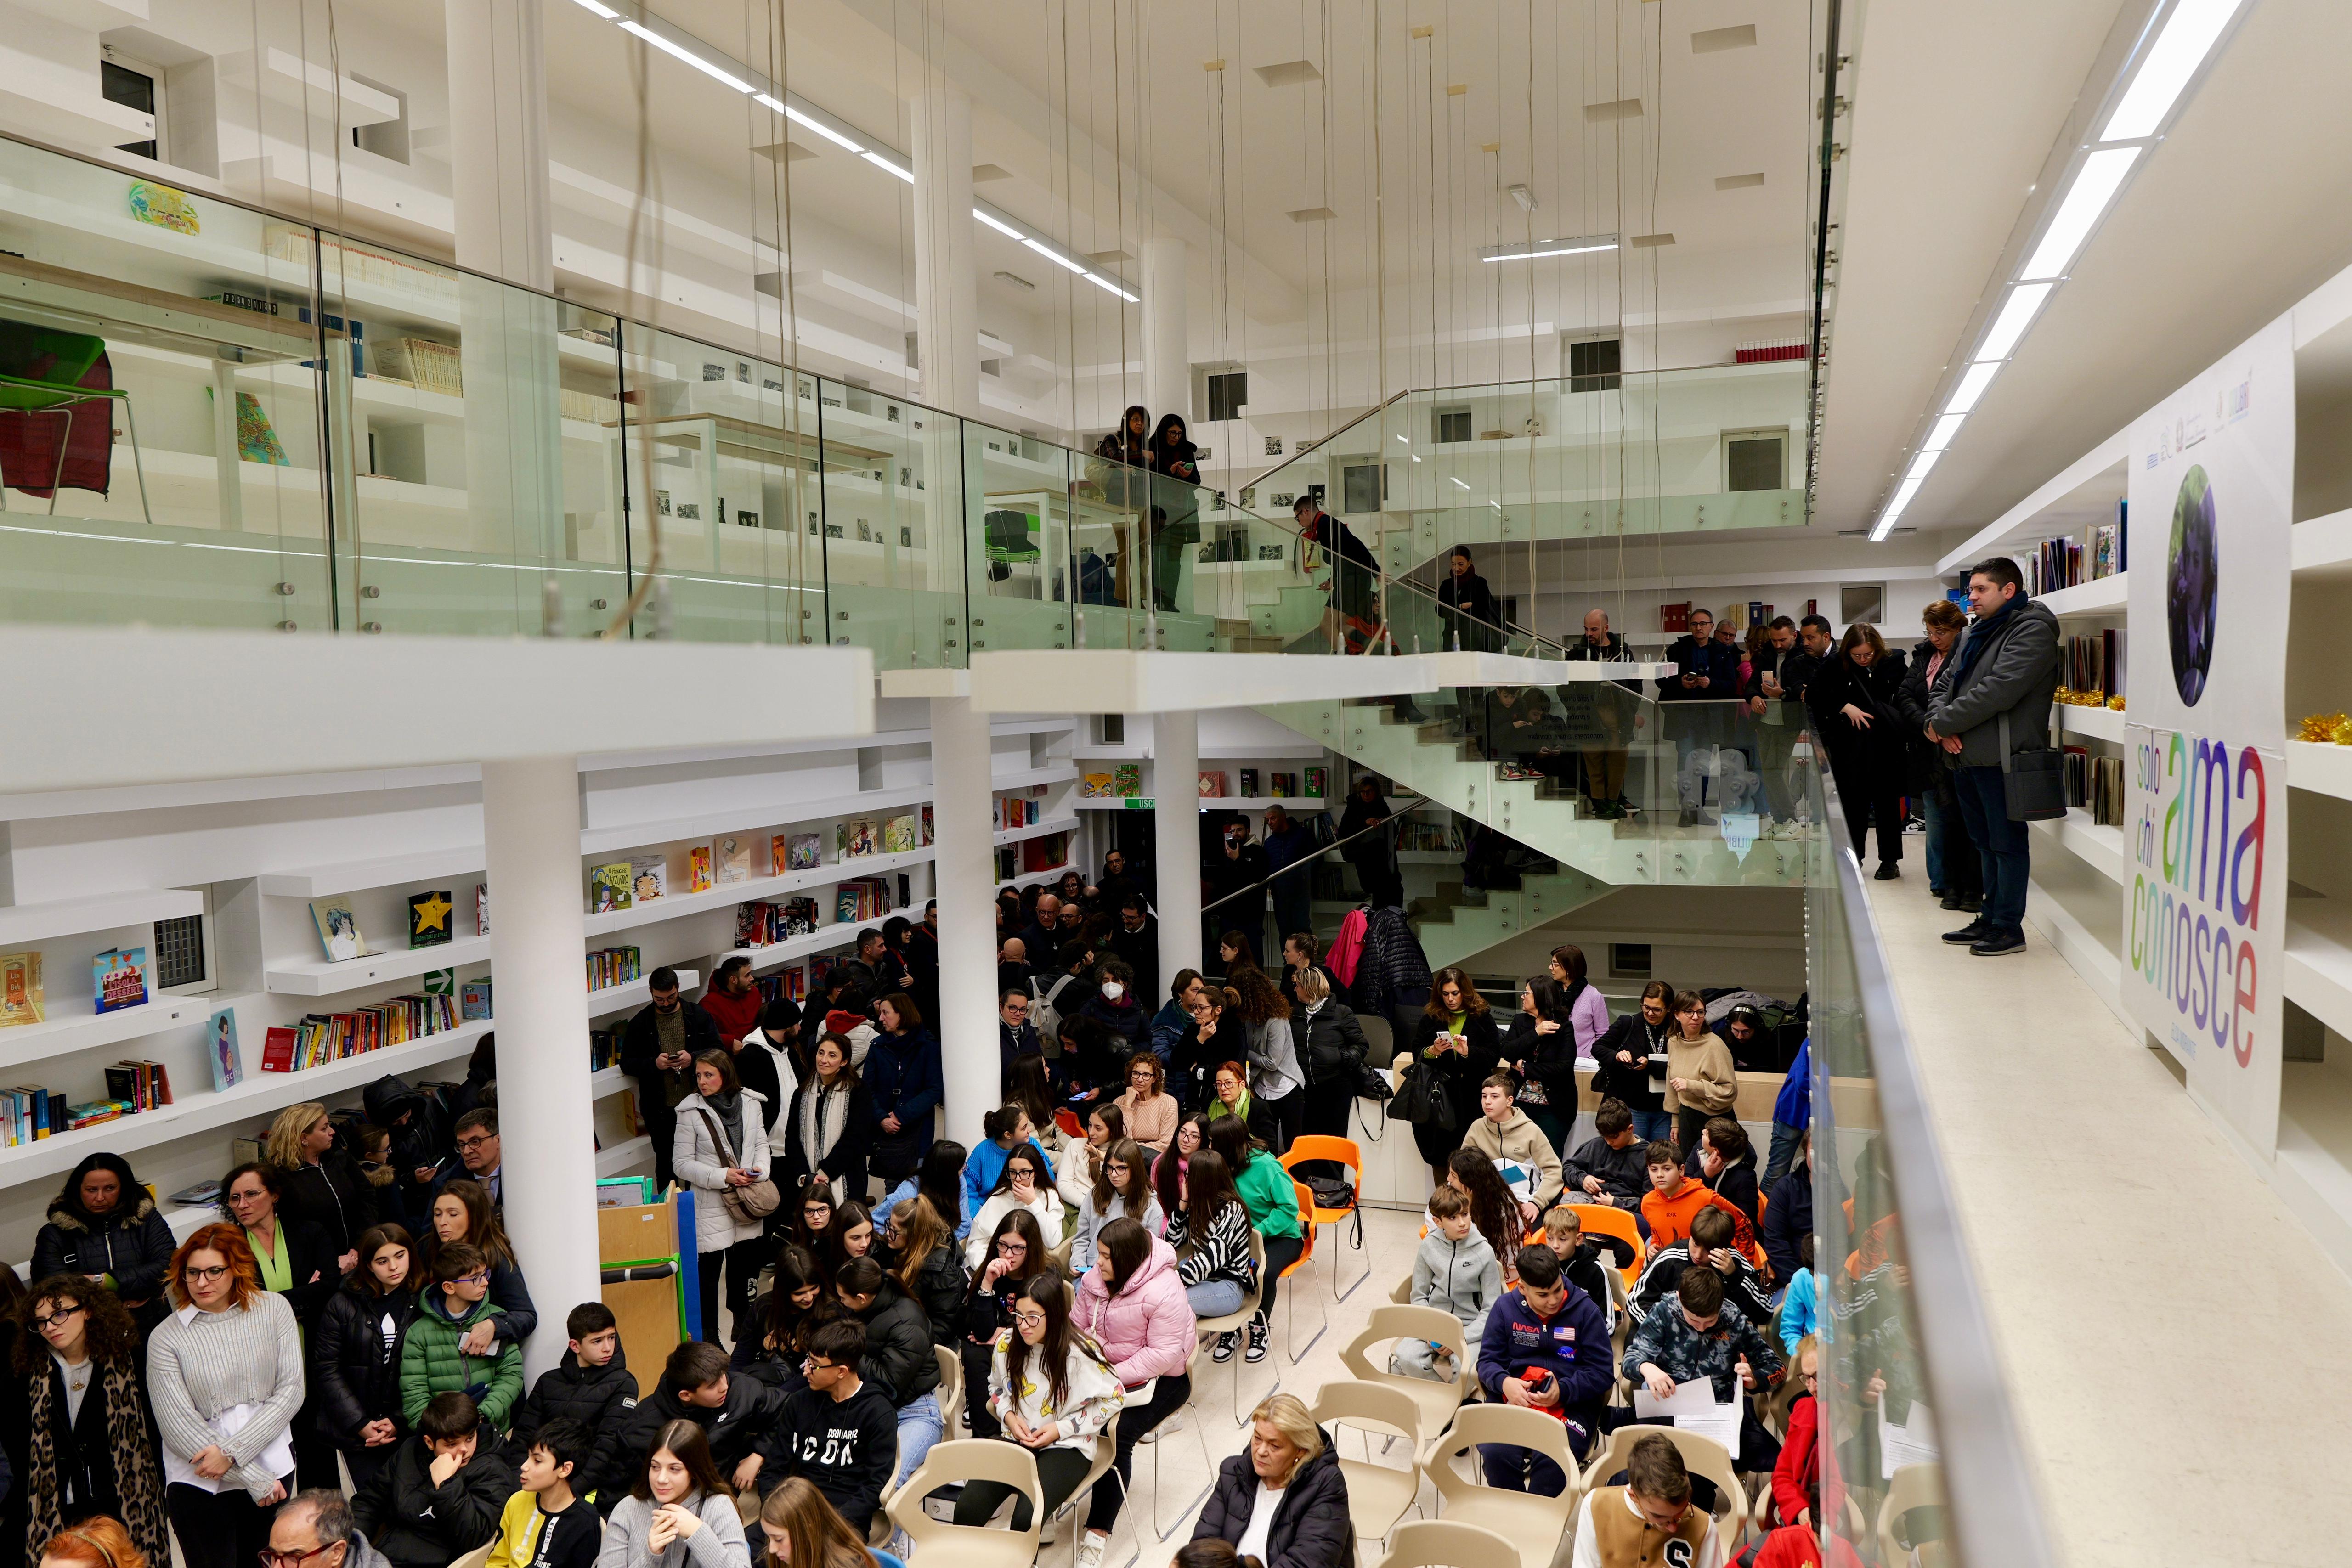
1716 39
1289 73
1622 109
1313 215
1738 182
1017 281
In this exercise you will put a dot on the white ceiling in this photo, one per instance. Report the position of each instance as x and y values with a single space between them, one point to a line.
2227 222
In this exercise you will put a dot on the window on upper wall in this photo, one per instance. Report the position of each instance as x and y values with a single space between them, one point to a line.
1228 393
1629 961
1593 365
1452 425
1756 459
135 84
180 953
1363 487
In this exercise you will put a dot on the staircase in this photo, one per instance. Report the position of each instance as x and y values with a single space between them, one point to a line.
1460 923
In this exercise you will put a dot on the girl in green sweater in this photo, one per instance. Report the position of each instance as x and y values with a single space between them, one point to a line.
1272 1200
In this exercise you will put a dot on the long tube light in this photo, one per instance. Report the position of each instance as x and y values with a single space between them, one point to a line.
888 166
811 123
1056 256
689 56
2190 32
1542 248
1007 230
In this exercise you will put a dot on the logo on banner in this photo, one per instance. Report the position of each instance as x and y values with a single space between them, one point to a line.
2192 585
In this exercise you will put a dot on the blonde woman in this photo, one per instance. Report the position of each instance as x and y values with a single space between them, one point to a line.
322 1184
1283 1500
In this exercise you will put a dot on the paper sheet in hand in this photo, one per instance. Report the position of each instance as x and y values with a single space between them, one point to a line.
1691 1408
1912 1443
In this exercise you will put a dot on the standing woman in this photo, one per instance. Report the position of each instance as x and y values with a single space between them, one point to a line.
681 1511
902 1074
104 1226
1052 1391
1540 1046
1267 1191
1333 1052
1131 1303
1121 1189
1456 1035
830 1124
1855 712
1953 873
296 1258
720 1146
1175 506
88 1449
462 1212
1016 1255
320 1184
355 1354
1630 1063
1278 1083
224 1380
1701 1081
1588 1011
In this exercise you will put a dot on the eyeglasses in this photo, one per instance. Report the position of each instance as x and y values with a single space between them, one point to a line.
270 1559
465 1144
48 1319
811 1364
1030 1320
206 1275
478 1277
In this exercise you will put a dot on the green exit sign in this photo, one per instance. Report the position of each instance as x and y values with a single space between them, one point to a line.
1143 803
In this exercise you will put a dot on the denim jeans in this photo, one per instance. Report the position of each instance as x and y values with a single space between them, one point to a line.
1929 808
1783 1154
919 1425
1655 1127
1216 1298
2001 846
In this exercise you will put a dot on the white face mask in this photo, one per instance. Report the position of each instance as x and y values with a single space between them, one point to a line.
1113 990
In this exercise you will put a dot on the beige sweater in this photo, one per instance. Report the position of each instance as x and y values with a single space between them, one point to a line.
1153 1124
1705 1064
1518 1138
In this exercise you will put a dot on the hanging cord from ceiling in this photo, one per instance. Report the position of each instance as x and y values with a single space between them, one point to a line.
641 305
800 471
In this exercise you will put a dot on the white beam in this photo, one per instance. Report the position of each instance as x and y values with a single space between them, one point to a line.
1128 680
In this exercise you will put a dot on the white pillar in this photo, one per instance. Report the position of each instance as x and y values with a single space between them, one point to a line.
1176 827
1167 358
531 823
498 139
947 294
963 875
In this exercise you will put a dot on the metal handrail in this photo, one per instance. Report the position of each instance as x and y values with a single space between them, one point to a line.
1262 885
1989 1497
1326 438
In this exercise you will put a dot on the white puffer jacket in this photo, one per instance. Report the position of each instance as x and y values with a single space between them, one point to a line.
700 1160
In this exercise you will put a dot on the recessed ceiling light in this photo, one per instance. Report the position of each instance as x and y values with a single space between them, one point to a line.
1716 38
1620 109
2016 315
2095 184
1972 385
1542 248
1737 182
2189 36
1947 426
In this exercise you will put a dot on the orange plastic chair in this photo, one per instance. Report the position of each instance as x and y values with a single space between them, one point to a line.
1342 1151
1067 1120
1600 1220
1306 1255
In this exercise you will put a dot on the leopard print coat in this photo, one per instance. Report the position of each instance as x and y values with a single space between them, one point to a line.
137 1476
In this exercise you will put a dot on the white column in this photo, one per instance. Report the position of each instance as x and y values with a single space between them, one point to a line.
1176 827
963 874
947 293
531 823
498 139
1167 359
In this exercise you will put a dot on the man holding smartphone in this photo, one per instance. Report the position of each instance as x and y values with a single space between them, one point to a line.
1707 672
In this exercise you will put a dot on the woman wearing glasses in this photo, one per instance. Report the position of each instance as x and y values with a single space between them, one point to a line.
1016 1255
1123 1187
321 1184
1025 1183
1053 1392
84 1450
1132 1304
224 1379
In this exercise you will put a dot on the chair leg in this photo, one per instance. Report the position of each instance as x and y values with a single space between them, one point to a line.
139 468
65 444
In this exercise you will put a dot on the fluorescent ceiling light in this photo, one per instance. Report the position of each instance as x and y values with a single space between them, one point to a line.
1007 230
605 11
1056 258
770 100
1542 248
2079 210
2016 315
1886 524
689 56
1451 480
1971 387
2189 36
1106 284
1401 437
827 131
1946 427
881 163
1920 464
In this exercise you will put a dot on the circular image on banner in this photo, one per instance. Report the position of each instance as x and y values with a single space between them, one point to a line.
2192 584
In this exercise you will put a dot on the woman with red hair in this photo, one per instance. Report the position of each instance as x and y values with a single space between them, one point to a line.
97 1543
225 1377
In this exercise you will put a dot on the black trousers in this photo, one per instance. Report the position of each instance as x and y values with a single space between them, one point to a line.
977 1361
744 1260
219 1530
1281 1252
1275 1123
1871 787
1059 1471
1134 1421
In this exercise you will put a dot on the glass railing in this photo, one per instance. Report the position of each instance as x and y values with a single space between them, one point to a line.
1668 451
1919 1455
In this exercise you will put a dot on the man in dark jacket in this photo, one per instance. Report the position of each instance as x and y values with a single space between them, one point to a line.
898 1355
1135 938
1546 1348
1998 686
1042 936
1611 1168
1290 853
1374 854
1706 673
840 1433
1789 1213
1235 871
658 1052
1468 620
420 1143
591 1384
443 1493
733 1413
1776 707
1310 1513
1597 715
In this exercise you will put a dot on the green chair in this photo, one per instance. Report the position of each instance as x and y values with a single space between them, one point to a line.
41 370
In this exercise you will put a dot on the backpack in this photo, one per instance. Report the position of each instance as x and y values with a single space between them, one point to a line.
1044 1014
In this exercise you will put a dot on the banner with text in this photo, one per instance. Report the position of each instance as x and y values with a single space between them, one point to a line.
2211 478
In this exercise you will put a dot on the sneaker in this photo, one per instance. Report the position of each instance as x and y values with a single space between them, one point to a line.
1953 901
1967 934
1973 903
1690 818
1228 1340
1257 1346
1173 1421
1091 1550
1998 945
1887 871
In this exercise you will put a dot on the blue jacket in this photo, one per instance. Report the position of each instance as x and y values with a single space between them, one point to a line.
1794 1105
1573 1346
902 1072
980 1171
1171 1024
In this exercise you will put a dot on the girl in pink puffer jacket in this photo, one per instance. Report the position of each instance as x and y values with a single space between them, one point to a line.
1134 1306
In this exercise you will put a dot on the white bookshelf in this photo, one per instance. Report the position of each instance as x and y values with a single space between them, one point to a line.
621 1158
2101 596
1035 830
2099 847
2320 767
759 890
2093 723
26 924
327 977
91 1031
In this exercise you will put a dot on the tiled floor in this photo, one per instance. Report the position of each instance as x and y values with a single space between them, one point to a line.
2180 1352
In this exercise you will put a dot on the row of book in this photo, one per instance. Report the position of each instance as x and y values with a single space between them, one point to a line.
2097 783
1415 834
610 967
1012 811
2095 663
323 1038
2062 562
1050 851
139 1085
729 860
28 1114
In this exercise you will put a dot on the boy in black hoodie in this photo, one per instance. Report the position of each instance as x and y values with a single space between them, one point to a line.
840 1433
591 1384
444 1491
733 1413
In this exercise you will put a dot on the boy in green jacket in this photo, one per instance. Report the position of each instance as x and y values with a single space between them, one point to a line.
433 1358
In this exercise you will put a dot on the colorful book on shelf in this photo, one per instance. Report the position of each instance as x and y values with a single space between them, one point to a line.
1129 779
339 929
1049 852
899 835
928 828
142 1085
481 909
1319 783
611 967
221 1051
1283 786
278 1050
857 836
803 851
119 978
1249 784
733 855
1099 787
20 989
648 878
1212 784
608 888
698 869
90 1112
428 919
473 1000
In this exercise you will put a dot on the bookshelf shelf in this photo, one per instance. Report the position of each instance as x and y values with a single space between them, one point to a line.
2324 769
2100 848
1110 803
1035 830
327 881
2096 723
2102 596
88 1031
2319 960
1061 773
319 977
2323 545
1309 804
635 993
22 924
839 934
259 1095
749 819
758 890
617 1160
607 1081
1038 878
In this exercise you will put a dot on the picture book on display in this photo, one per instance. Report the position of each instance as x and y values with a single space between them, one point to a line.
1129 779
927 827
339 928
857 836
473 1000
698 869
119 978
1250 783
220 1048
428 919
899 835
1098 787
1285 787
20 989
648 878
800 851
733 855
608 888
1319 783
481 909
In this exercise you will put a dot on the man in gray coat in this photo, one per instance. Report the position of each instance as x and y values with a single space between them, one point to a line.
2007 667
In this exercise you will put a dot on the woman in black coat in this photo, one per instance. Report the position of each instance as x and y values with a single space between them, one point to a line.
1623 1059
1289 1454
1457 1036
104 1226
1853 699
1544 1058
829 1126
1954 874
1175 505
355 1354
318 1184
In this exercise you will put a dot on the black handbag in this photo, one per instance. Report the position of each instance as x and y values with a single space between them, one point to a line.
1424 1098
2032 781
